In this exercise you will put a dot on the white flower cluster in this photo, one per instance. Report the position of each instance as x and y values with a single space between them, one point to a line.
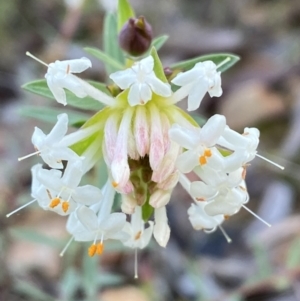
148 145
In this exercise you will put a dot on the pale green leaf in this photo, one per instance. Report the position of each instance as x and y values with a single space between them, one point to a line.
125 12
105 58
158 68
40 87
47 114
34 236
110 42
217 58
158 42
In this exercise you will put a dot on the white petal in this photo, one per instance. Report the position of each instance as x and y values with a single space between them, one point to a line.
145 93
187 77
72 174
76 65
146 64
59 130
196 95
125 78
161 230
87 195
38 138
57 91
187 161
158 86
187 138
212 130
134 96
200 190
88 218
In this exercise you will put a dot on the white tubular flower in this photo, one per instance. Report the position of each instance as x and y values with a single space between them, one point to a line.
139 237
199 144
200 220
161 230
49 146
243 147
228 201
100 226
160 198
59 76
202 78
142 81
63 191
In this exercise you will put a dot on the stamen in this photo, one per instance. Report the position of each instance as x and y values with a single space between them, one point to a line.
229 240
92 250
277 165
259 218
207 153
224 62
54 202
61 254
30 155
18 209
100 248
35 58
114 184
65 206
136 276
68 69
202 160
138 235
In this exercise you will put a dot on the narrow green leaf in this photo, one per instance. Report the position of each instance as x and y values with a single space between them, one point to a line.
105 58
47 114
31 291
125 12
34 236
217 58
110 42
70 283
158 68
40 87
158 42
293 257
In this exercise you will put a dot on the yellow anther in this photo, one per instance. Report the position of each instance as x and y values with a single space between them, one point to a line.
202 160
92 250
100 248
226 217
54 202
114 184
207 153
65 206
138 235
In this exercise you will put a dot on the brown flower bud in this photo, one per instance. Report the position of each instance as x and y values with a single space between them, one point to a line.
135 36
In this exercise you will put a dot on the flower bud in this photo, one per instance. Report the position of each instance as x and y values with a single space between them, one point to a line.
135 36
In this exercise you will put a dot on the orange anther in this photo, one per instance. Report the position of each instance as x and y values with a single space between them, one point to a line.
100 248
200 199
54 202
138 235
92 250
114 184
202 160
207 153
226 217
65 206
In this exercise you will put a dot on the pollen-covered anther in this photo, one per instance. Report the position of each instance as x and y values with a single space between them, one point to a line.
114 184
207 153
65 206
138 235
54 202
200 199
226 217
92 250
202 160
244 172
100 248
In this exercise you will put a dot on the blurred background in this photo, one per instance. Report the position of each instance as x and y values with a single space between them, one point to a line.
262 90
